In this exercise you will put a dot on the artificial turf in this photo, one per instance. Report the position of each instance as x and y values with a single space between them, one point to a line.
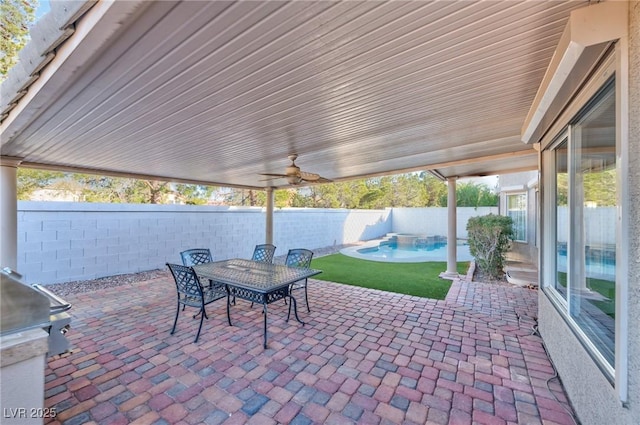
419 279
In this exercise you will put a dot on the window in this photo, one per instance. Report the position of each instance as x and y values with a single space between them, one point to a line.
562 217
584 222
517 210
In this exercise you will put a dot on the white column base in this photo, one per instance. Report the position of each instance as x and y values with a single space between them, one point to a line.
449 275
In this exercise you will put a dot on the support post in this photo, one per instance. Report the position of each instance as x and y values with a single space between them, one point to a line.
269 222
452 237
9 212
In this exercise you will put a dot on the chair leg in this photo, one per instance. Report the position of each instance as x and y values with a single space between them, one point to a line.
306 297
175 321
200 327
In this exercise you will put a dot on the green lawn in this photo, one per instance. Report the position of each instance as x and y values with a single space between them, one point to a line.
419 279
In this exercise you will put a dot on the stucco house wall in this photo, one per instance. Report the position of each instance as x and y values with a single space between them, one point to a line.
634 209
526 182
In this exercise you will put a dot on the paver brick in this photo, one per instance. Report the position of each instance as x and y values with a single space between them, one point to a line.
486 418
459 417
134 402
254 404
384 393
288 412
315 412
391 413
102 411
397 359
416 413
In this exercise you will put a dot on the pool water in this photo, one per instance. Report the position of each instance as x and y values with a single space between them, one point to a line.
597 269
385 251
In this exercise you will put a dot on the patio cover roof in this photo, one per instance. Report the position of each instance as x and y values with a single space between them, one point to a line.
218 92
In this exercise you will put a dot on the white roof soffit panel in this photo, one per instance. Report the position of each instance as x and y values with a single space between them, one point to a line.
588 27
51 30
221 92
102 24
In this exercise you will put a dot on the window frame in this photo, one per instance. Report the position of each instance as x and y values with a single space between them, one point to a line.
526 213
610 67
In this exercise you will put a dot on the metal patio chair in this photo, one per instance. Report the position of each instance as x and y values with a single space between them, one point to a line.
264 253
191 293
196 256
300 258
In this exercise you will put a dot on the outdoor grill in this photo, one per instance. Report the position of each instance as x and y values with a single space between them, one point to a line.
26 307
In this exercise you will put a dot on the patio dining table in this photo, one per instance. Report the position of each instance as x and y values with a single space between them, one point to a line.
254 281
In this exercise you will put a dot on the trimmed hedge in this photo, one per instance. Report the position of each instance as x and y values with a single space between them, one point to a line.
489 238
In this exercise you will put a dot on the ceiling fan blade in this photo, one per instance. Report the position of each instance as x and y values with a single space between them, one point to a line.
313 178
310 177
294 175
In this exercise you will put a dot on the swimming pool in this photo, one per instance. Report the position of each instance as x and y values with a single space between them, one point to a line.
411 251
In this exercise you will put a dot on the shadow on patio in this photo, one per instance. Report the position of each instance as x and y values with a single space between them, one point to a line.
364 356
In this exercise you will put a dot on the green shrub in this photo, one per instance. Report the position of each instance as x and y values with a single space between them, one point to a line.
489 237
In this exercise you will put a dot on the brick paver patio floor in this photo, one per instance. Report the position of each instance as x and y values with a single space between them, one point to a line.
364 356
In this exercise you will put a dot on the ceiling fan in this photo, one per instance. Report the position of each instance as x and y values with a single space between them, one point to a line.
295 176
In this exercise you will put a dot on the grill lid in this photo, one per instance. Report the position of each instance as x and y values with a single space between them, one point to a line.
21 307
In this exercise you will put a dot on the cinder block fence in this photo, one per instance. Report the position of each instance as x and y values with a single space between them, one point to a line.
61 242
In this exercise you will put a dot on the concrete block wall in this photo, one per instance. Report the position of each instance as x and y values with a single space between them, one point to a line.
317 228
433 221
66 241
61 242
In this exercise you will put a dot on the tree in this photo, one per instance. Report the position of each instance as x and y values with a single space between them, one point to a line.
317 196
475 195
29 180
283 198
245 197
402 190
15 18
349 194
95 188
194 194
435 190
562 189
599 187
149 191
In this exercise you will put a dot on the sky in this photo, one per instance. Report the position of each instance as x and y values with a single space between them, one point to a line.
490 181
43 7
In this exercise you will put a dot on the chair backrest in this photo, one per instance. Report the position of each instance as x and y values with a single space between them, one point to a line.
196 256
299 257
264 253
187 281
